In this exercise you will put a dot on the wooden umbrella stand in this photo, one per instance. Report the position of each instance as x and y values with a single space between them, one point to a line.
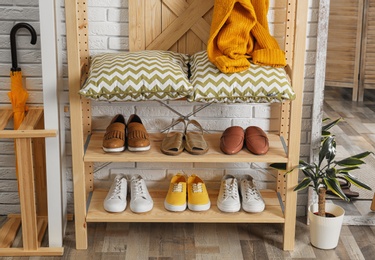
30 153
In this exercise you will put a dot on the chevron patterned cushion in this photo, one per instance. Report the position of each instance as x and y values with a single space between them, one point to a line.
257 84
135 76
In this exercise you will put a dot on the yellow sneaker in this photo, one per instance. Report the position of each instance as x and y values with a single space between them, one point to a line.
176 197
198 199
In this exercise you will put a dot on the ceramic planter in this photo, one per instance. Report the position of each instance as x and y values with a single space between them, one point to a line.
325 231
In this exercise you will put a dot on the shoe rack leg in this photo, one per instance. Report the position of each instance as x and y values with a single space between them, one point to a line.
27 193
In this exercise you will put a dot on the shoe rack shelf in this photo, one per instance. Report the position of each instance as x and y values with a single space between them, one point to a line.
95 153
272 214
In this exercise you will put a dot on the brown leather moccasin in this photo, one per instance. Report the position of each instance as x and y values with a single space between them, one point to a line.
138 138
114 137
232 140
256 140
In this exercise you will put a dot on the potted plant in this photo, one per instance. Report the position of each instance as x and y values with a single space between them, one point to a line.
322 176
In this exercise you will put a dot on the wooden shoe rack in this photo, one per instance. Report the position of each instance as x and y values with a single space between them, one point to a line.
30 154
182 26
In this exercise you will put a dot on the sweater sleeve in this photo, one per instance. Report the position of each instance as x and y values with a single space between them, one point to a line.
266 49
230 37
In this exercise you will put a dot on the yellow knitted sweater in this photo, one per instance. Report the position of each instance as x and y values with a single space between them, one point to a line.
239 31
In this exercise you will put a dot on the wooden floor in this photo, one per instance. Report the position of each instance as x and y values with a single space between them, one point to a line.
355 134
165 241
357 131
236 241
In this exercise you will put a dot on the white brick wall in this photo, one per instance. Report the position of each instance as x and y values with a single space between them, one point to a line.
108 29
29 58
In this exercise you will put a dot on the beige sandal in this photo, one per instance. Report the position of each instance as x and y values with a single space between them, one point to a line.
195 143
173 143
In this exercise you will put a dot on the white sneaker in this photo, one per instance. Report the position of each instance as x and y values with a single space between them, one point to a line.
252 201
115 201
229 199
140 200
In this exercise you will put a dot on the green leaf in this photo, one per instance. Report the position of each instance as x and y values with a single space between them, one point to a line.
303 184
355 181
327 150
330 125
331 173
347 169
350 161
334 186
362 155
309 173
326 133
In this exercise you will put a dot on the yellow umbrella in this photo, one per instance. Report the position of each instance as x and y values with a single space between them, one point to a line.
18 96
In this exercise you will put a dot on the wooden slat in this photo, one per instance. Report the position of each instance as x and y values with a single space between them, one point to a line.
153 18
73 11
31 119
27 193
42 251
295 124
167 18
27 133
5 115
9 231
42 223
272 213
95 152
180 26
137 34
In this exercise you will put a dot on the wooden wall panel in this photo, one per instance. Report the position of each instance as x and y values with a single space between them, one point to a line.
344 44
368 49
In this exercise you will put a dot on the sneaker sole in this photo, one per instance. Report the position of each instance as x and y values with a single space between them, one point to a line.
204 207
114 150
174 207
143 210
229 209
253 209
115 210
139 149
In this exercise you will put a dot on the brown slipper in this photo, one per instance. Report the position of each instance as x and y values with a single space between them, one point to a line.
194 141
173 142
348 193
138 139
256 140
114 137
232 139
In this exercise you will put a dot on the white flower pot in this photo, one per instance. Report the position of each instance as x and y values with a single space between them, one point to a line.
325 231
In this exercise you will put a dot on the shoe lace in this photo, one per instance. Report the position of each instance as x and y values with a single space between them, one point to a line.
251 192
230 190
197 187
177 187
137 189
117 190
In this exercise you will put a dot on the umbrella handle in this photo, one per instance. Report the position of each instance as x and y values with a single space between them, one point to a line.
13 42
